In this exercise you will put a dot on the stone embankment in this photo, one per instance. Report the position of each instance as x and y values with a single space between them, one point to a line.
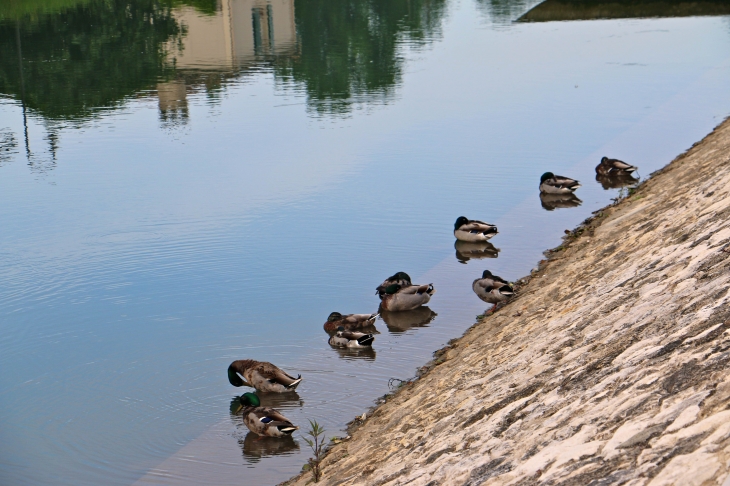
611 366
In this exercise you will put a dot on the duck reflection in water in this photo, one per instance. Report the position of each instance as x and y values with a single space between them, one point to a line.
466 250
616 181
255 447
367 353
398 322
551 202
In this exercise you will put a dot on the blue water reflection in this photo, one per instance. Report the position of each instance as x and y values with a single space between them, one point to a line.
212 204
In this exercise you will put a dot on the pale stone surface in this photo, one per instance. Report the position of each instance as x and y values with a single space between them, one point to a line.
611 368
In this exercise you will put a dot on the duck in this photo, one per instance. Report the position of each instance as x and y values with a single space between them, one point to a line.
555 184
261 375
492 289
351 339
399 298
264 421
473 230
400 278
349 322
614 167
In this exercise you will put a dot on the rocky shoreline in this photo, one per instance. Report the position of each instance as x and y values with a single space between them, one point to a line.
609 367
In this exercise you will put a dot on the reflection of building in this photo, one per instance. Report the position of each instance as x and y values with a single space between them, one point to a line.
237 35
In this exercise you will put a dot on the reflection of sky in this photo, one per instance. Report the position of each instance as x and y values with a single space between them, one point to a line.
147 260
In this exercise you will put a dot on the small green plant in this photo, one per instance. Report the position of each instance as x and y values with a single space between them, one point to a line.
316 432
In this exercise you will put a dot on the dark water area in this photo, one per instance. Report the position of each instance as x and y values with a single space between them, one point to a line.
186 183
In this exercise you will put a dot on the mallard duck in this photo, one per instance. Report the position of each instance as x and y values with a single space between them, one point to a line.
400 278
261 375
492 289
614 166
555 184
555 201
349 322
398 298
351 339
466 250
473 230
263 420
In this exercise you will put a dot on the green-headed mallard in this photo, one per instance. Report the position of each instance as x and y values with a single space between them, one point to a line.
264 421
400 278
472 230
492 289
555 201
349 322
261 375
555 184
397 298
351 339
614 166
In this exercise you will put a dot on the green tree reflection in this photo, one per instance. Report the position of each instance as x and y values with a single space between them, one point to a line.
348 49
86 57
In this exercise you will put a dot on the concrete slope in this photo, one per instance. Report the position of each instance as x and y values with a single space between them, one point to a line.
610 367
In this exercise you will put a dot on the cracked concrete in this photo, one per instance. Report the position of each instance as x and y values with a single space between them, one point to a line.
610 367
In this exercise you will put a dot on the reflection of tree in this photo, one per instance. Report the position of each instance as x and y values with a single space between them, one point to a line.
348 49
88 56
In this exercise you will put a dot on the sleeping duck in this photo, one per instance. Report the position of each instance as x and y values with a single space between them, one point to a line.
399 298
263 420
400 278
351 339
349 322
614 167
473 230
492 289
555 184
261 375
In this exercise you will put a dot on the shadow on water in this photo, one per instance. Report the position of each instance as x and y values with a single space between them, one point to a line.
466 250
399 322
552 10
551 202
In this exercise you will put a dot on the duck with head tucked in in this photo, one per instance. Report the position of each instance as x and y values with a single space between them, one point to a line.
400 278
555 184
349 322
351 339
398 298
614 167
492 289
264 421
261 375
473 230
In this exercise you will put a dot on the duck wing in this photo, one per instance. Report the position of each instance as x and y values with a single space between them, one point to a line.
475 226
417 289
620 165
276 375
562 181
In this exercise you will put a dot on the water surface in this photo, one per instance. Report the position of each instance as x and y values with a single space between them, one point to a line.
187 183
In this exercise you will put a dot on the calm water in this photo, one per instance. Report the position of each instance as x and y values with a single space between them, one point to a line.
187 183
